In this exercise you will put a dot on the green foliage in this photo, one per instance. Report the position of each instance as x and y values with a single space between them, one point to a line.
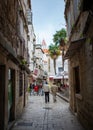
54 50
59 39
28 89
88 40
60 35
23 62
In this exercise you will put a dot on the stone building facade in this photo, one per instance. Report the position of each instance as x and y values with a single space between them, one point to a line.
38 63
79 19
14 57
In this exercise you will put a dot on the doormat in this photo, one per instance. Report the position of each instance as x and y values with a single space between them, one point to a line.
24 124
48 108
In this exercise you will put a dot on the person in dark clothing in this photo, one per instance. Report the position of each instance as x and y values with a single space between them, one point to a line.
46 91
31 88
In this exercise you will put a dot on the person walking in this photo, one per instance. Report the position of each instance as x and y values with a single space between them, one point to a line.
46 91
30 88
54 90
36 89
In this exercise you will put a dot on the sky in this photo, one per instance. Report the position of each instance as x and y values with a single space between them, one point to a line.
48 17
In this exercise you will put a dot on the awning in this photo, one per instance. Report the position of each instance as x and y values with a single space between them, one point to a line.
50 77
58 77
61 77
74 47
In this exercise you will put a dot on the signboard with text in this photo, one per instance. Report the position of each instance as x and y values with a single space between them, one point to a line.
36 72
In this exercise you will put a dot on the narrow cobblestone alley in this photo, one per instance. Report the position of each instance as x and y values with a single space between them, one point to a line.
52 116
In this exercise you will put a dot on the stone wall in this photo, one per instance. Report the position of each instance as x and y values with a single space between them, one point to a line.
82 103
8 11
8 58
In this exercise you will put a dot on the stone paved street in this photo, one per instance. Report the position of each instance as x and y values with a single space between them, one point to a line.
52 116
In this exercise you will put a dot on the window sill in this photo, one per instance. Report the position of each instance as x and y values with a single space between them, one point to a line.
79 96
